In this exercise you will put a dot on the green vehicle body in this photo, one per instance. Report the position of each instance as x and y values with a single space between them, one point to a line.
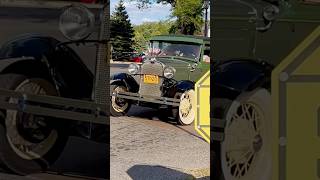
250 39
182 65
244 33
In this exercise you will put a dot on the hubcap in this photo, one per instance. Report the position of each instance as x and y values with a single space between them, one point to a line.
186 108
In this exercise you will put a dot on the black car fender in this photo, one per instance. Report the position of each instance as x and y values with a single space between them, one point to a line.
180 86
37 56
127 80
230 78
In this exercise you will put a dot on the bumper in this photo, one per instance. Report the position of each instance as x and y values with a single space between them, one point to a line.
151 99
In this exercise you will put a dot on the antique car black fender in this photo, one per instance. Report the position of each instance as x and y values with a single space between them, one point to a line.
231 78
127 80
180 86
37 56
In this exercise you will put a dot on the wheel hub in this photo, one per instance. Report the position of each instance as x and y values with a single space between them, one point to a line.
33 128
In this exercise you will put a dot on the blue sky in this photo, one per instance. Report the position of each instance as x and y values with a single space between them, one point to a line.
137 16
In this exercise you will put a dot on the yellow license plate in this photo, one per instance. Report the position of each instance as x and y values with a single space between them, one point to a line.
151 79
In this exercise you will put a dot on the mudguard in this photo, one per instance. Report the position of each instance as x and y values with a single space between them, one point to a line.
37 56
232 77
181 86
228 80
127 79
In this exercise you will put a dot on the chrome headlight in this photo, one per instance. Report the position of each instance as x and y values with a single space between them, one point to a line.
76 22
169 72
133 68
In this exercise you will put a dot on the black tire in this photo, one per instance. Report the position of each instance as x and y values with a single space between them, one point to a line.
114 106
176 113
10 156
250 105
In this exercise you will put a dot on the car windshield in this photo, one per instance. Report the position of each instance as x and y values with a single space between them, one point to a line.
163 48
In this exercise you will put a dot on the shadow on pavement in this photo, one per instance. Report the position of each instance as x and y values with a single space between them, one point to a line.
85 158
147 172
81 159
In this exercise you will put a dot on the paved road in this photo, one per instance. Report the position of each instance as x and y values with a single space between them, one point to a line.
144 147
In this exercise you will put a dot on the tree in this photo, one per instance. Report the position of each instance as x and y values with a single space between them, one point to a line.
146 3
188 14
122 32
146 30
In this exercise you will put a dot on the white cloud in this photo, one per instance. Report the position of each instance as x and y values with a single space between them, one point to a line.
155 12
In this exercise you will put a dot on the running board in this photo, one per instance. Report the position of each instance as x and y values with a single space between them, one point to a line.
145 98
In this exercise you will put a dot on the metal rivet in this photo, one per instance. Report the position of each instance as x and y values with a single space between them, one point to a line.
283 76
282 141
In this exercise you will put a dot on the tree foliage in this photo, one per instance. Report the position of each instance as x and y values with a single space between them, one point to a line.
188 14
146 3
145 31
122 32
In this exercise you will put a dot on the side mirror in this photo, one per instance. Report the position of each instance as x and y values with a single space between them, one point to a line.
269 15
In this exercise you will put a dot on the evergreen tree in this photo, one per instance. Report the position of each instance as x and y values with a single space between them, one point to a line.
122 32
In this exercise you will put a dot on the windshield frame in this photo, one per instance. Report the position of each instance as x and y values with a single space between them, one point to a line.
197 59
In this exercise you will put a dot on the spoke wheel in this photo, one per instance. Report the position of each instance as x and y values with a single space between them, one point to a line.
246 149
119 106
30 136
29 143
187 108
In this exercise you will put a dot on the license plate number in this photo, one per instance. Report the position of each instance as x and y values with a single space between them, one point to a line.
151 79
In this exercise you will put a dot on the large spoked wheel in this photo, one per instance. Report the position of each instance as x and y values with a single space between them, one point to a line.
185 114
245 153
29 143
119 106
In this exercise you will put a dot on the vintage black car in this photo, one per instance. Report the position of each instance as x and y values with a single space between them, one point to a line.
165 79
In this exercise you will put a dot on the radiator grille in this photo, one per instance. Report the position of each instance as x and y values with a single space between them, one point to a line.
151 68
